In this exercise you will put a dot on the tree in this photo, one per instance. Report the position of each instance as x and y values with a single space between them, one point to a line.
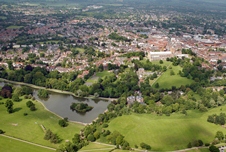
1 131
145 146
119 140
63 123
29 103
219 135
91 138
15 97
157 85
48 134
10 65
189 145
68 147
9 106
33 108
6 91
43 93
76 139
213 148
96 134
172 72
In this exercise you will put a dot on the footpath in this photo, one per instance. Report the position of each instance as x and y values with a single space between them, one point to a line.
28 142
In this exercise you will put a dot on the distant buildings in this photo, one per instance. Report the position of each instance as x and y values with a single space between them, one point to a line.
159 55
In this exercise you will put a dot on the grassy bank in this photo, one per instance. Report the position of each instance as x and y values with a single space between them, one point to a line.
97 147
165 133
30 128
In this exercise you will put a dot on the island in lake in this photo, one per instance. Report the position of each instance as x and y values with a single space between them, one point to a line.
80 107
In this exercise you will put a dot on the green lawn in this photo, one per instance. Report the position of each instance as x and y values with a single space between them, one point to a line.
165 133
98 75
98 147
103 74
29 127
11 145
14 27
165 63
81 50
167 81
199 150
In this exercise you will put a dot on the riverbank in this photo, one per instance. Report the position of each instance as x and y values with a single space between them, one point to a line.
54 90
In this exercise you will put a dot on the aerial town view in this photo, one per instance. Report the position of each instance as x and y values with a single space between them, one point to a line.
113 75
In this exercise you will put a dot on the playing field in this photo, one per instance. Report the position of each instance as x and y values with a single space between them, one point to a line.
165 133
32 127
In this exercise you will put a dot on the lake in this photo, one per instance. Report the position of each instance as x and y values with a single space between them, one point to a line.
60 105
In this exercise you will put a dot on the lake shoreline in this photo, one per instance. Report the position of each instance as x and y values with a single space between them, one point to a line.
54 90
58 92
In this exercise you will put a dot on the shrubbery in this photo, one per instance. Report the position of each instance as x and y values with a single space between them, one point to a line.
63 122
52 137
217 119
145 146
31 105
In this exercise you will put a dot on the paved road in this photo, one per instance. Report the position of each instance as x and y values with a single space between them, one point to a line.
28 142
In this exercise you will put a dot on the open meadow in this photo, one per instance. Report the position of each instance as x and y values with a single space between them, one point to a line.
97 147
11 145
98 75
166 133
167 79
32 127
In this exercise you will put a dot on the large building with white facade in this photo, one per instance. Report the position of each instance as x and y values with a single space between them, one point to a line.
159 55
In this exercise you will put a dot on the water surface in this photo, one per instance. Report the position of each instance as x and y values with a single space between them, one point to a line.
60 104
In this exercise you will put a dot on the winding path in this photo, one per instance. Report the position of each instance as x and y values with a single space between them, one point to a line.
28 142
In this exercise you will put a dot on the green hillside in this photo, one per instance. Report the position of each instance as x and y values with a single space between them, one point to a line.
167 133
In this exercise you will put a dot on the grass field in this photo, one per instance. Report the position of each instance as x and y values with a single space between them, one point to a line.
199 150
29 127
103 74
10 145
165 63
14 27
95 147
81 50
165 133
98 75
167 81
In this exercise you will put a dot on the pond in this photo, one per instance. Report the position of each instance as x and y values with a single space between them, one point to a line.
60 105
